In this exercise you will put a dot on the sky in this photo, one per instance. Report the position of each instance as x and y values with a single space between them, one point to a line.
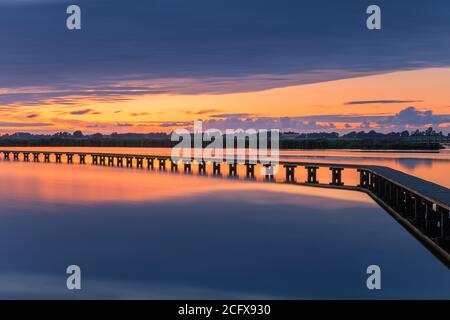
158 65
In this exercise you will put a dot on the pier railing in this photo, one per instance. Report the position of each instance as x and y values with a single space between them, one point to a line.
420 206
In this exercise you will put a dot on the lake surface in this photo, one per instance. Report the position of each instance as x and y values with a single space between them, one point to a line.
149 234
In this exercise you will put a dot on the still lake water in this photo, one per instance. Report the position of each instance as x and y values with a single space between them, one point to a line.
149 234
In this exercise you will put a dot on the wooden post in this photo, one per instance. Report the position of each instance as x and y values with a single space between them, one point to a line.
232 169
150 162
290 172
139 162
312 174
250 170
162 163
444 227
216 168
336 176
129 161
202 167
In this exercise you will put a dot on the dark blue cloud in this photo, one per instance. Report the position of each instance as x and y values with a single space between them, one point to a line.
204 39
381 102
81 112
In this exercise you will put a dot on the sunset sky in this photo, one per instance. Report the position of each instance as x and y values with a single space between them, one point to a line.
151 66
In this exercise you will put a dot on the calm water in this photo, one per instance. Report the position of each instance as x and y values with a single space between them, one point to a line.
149 234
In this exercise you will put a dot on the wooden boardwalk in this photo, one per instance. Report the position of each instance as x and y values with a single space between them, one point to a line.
422 207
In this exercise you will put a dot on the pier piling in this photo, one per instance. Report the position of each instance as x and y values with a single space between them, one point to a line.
250 170
216 168
290 172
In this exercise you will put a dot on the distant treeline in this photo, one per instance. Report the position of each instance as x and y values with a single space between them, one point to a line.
372 140
366 144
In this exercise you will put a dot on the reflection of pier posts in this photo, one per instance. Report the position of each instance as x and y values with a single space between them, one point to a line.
139 162
119 161
290 172
250 170
312 174
94 159
46 157
232 169
336 176
187 167
82 158
26 156
111 161
16 156
216 168
202 167
58 157
129 161
162 163
268 172
150 162
69 158
36 156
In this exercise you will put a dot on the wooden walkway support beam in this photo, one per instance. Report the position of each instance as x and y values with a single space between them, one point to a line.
150 162
312 174
82 158
290 172
336 176
216 168
162 163
232 169
202 167
250 170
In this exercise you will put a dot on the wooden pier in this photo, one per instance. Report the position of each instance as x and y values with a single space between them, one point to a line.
420 206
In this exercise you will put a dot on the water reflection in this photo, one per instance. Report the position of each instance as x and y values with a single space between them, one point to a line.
431 166
139 234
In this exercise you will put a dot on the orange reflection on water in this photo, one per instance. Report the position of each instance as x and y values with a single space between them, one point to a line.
84 184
